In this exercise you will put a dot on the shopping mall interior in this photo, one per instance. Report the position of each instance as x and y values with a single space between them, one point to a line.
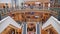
29 16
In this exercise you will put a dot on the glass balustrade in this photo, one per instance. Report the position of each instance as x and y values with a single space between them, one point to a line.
28 8
7 10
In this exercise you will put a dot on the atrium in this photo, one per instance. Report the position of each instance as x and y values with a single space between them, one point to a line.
29 17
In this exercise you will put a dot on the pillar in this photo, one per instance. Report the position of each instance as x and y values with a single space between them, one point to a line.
12 4
15 3
38 28
24 28
48 6
43 6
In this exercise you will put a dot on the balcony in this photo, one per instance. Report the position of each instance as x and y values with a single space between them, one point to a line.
7 10
37 8
22 9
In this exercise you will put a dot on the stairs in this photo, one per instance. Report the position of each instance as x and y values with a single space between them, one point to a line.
4 23
6 31
54 23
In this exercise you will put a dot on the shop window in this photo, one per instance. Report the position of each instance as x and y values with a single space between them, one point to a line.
22 16
28 4
19 32
28 16
46 13
36 17
31 24
13 14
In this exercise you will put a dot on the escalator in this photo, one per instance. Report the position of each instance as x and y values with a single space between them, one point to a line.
53 22
6 24
8 30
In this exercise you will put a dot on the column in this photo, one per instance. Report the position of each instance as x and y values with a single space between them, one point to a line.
24 28
43 6
15 3
48 6
12 4
38 28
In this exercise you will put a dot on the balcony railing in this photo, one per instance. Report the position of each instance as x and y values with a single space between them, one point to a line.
7 10
37 8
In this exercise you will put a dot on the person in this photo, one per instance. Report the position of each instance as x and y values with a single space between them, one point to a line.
39 6
31 6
